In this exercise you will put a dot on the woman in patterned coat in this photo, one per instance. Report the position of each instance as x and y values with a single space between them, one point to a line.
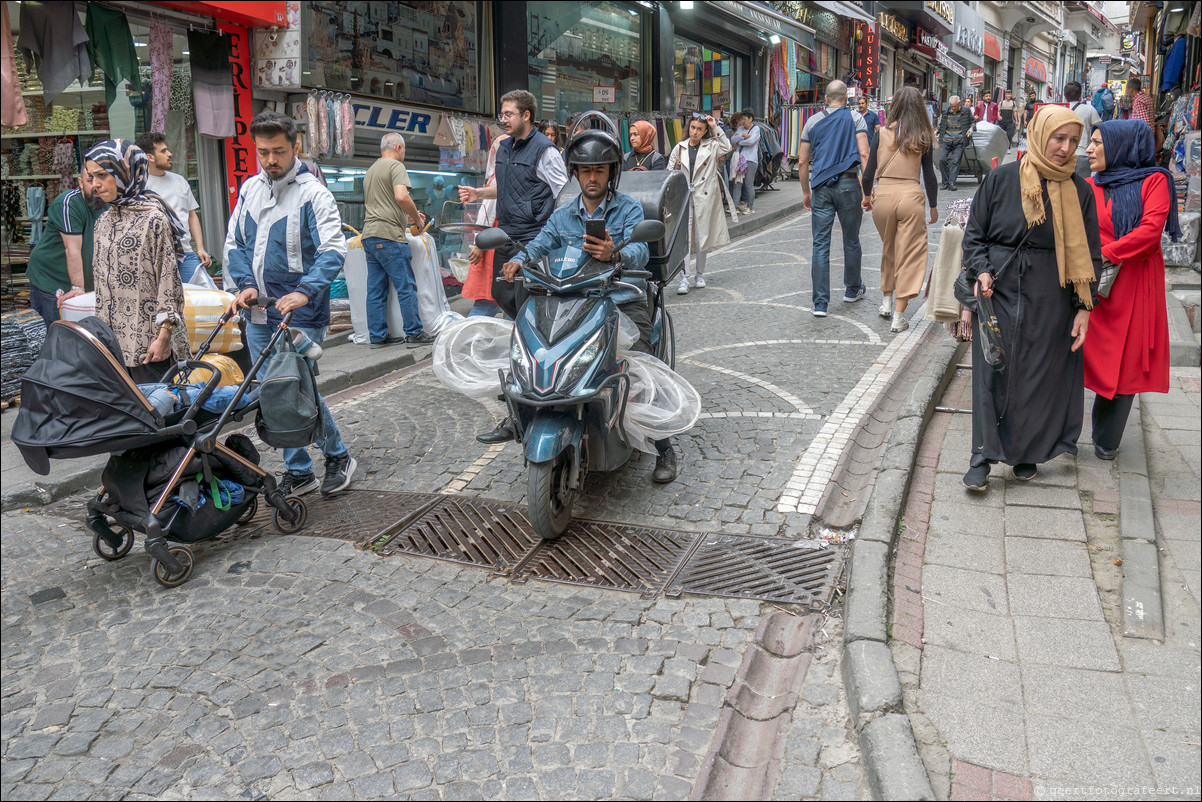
137 244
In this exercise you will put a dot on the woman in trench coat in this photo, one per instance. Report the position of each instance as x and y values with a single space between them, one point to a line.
700 158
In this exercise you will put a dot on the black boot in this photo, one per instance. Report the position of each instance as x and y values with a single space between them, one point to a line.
504 432
665 467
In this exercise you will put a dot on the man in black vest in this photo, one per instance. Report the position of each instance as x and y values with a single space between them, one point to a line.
530 174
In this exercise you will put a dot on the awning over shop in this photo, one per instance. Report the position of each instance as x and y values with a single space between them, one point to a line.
993 48
251 13
939 57
845 10
767 20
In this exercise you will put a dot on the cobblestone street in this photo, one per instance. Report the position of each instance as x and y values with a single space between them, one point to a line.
298 667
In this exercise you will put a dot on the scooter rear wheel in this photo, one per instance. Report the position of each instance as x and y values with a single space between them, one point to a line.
548 497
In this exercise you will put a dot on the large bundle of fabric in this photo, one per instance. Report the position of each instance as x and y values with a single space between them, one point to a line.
21 336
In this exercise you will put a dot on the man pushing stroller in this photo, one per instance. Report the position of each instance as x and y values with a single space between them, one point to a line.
285 240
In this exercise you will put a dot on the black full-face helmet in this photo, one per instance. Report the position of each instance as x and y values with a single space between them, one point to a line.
594 146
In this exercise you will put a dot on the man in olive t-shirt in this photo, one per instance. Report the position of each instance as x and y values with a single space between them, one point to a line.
387 211
62 259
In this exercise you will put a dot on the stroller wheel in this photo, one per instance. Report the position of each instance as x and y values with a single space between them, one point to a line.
106 551
299 510
251 510
169 580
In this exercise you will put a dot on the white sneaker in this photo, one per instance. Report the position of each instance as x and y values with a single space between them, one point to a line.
886 309
699 282
683 287
899 323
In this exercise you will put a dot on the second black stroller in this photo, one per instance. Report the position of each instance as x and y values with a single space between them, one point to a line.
168 477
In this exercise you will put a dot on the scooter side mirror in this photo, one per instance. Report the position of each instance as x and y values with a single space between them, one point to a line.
648 231
492 238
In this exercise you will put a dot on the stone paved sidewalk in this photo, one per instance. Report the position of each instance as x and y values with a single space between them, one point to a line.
1007 618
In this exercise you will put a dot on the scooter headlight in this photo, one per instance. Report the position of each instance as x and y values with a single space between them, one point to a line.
579 363
522 364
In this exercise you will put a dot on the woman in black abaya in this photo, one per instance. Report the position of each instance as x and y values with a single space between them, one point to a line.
1029 409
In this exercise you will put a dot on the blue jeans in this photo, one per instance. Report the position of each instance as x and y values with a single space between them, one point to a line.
842 199
484 308
949 161
297 460
387 260
45 304
748 192
187 266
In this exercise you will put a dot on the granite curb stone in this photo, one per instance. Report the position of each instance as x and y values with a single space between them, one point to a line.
1143 607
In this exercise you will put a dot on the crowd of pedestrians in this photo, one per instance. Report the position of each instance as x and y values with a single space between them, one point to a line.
1040 230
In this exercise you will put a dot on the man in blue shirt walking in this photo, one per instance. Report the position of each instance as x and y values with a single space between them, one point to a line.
837 139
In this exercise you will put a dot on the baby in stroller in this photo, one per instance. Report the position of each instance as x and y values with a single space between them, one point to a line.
168 476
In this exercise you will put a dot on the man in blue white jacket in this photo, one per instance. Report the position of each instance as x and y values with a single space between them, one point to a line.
285 241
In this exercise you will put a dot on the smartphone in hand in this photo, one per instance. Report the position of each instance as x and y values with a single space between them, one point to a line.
595 228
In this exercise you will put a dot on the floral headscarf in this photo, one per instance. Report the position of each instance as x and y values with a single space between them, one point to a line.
128 163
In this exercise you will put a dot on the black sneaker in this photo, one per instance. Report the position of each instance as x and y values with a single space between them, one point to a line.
1025 471
977 478
424 338
339 471
400 338
665 467
297 484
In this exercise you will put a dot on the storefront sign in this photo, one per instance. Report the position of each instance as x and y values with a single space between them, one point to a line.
976 77
252 13
240 160
1104 60
992 48
605 94
942 10
970 40
1128 42
377 119
868 54
1036 70
893 26
950 63
930 40
688 102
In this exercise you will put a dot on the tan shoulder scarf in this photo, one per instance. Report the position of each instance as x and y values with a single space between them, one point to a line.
1072 248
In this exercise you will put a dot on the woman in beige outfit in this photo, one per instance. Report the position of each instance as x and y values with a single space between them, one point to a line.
700 157
903 153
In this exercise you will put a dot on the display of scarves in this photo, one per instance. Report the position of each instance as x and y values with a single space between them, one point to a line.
332 127
212 84
313 129
323 128
161 50
348 127
64 164
12 104
35 205
111 48
60 48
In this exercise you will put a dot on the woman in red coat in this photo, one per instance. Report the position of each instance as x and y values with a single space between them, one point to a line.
1127 347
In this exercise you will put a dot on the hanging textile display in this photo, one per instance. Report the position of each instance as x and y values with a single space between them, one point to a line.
312 128
60 49
12 104
35 206
161 50
348 127
111 48
212 84
332 127
323 127
64 163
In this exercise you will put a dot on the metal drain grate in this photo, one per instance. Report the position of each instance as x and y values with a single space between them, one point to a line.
358 516
599 554
466 531
742 567
608 555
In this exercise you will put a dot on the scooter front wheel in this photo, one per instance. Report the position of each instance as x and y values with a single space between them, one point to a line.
548 497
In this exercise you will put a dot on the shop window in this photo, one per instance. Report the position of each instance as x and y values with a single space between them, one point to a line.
575 47
418 52
705 78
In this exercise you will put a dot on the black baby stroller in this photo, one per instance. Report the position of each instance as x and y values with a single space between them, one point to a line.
168 476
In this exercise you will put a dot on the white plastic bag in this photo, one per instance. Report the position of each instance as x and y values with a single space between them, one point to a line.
468 353
432 303
661 402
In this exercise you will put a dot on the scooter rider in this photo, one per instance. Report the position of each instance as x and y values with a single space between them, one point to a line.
594 157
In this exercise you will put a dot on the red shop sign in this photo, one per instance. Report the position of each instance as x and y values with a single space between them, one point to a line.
240 159
253 13
868 54
992 48
1035 69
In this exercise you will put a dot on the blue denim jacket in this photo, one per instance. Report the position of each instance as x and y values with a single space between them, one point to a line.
566 227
